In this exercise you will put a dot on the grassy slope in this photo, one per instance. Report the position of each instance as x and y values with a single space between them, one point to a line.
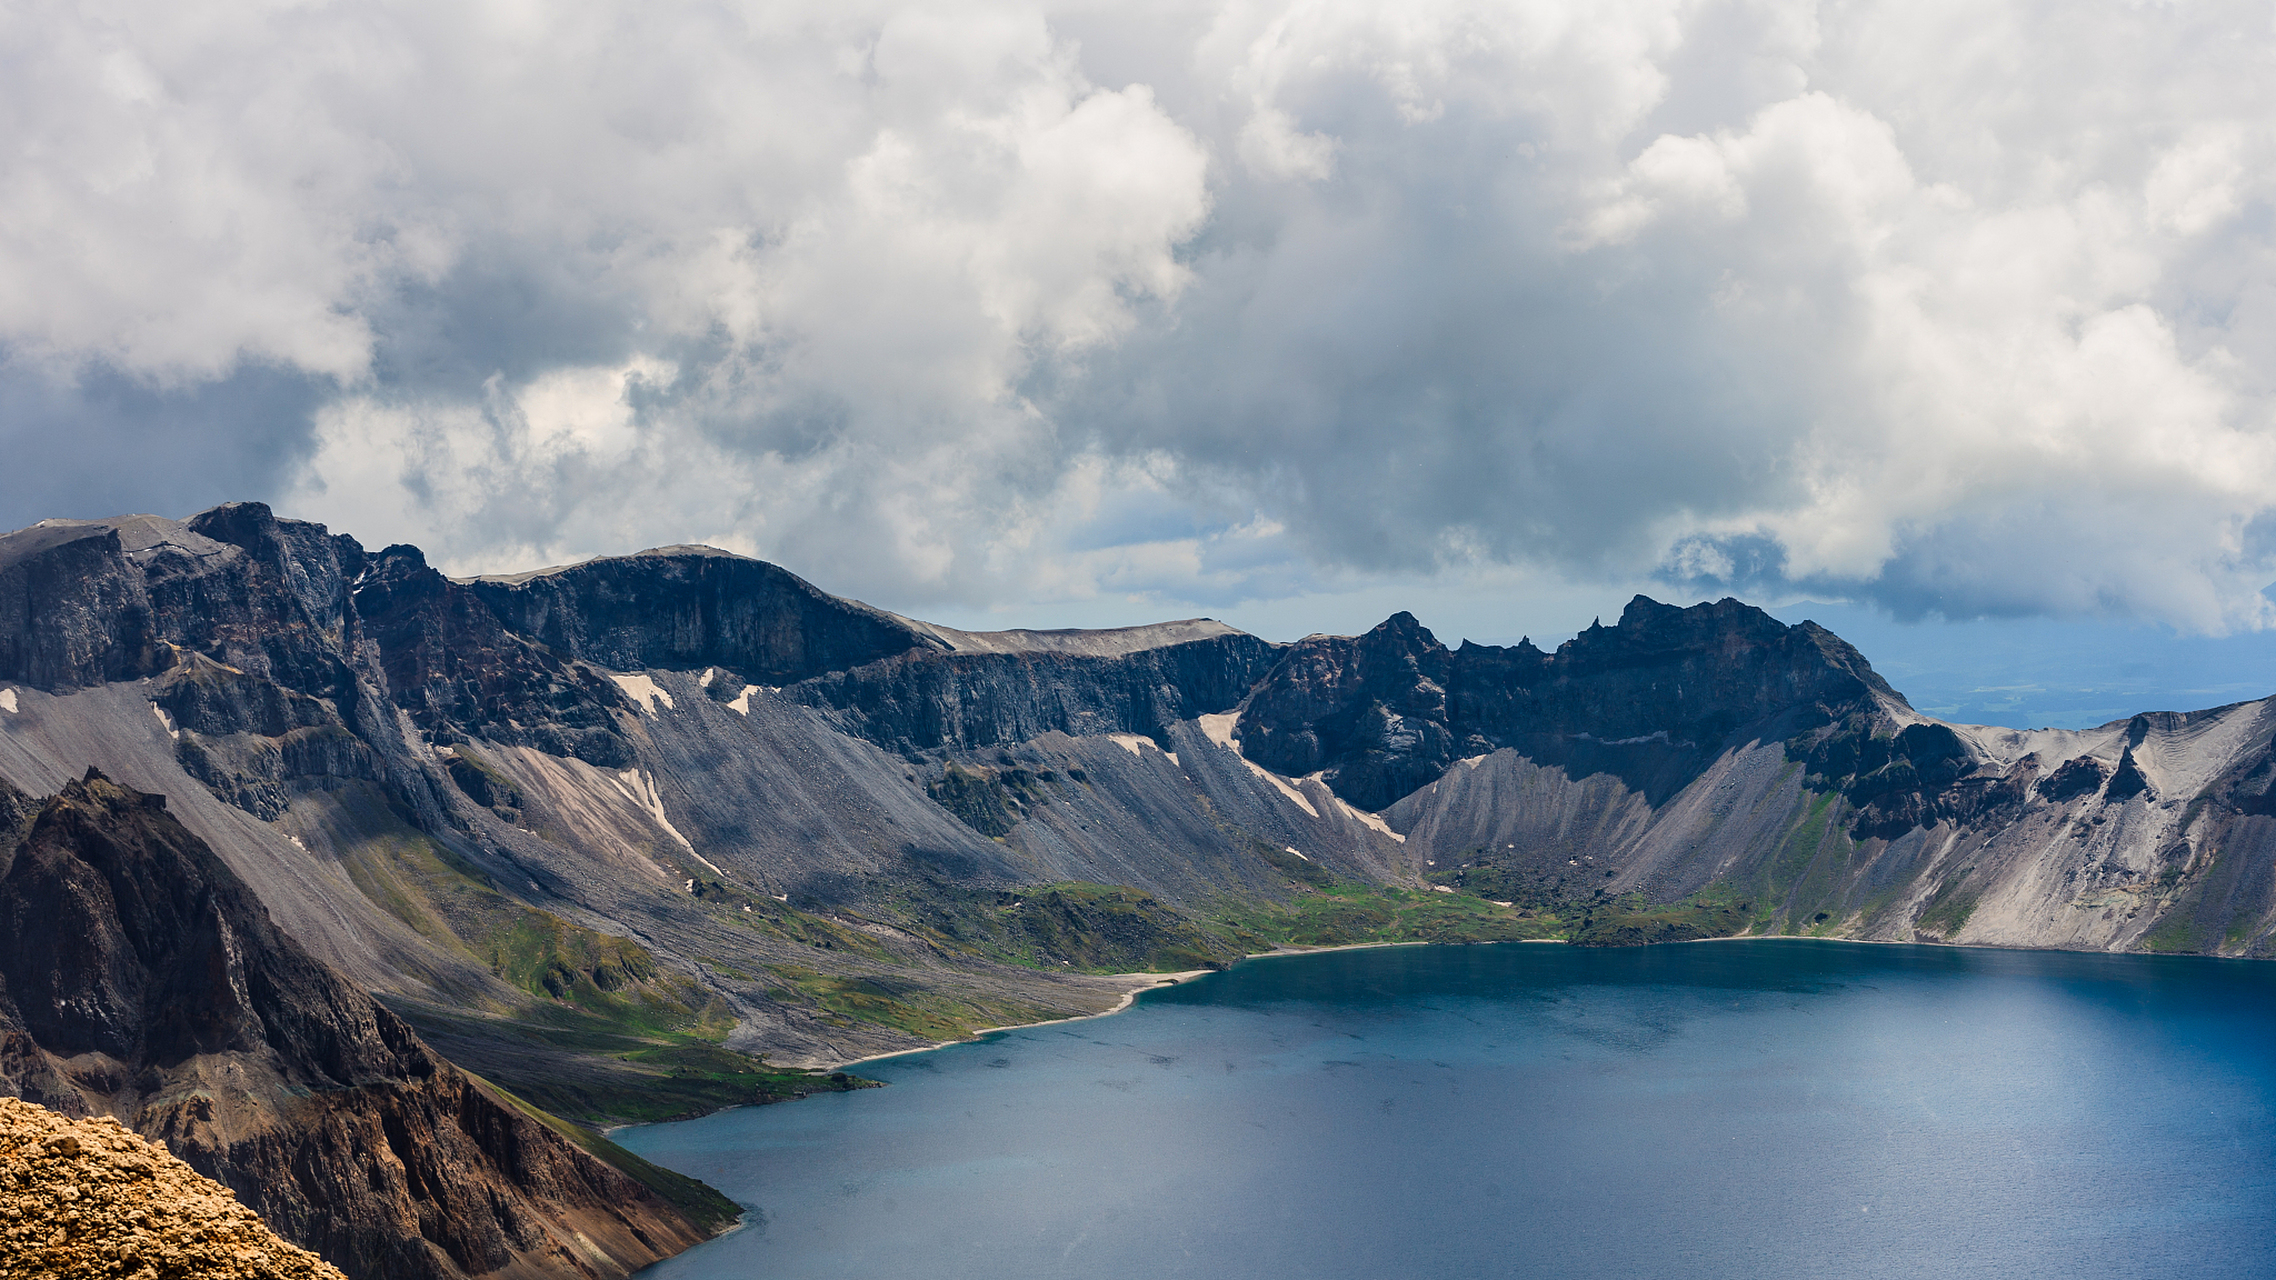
603 1034
706 1208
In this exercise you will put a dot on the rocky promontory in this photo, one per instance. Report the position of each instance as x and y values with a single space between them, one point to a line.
141 979
81 1199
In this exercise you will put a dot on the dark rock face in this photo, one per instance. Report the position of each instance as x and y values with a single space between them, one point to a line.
248 621
925 699
681 608
2072 779
1898 780
456 668
144 980
2127 779
282 651
1372 711
1653 698
73 612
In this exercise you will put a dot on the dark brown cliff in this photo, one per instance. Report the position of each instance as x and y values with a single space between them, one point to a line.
144 981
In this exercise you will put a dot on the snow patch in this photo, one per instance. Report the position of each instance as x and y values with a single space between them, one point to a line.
644 691
642 789
1219 729
1298 852
742 703
709 674
1136 745
1366 819
7 700
165 721
1439 888
1287 788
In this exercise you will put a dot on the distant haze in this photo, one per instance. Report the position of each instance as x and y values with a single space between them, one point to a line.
1291 314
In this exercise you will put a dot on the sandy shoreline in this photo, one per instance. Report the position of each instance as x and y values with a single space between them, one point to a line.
1141 983
1144 982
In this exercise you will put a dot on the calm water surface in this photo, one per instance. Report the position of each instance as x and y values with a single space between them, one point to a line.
1750 1109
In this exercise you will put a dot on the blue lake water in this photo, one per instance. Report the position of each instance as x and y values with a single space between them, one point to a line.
1731 1109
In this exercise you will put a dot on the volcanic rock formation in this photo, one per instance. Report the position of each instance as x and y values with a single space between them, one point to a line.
144 981
742 814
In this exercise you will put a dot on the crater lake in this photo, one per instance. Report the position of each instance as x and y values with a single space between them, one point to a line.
1728 1109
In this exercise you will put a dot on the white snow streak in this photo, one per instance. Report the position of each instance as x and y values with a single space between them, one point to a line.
644 691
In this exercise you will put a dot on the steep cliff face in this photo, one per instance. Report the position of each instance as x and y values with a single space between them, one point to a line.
683 608
1012 692
459 672
1382 714
144 981
73 612
248 621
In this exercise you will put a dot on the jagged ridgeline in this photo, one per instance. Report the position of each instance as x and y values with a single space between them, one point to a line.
658 833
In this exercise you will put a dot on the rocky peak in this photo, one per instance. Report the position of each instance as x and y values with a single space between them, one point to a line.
449 661
124 936
1371 710
73 611
140 978
1384 713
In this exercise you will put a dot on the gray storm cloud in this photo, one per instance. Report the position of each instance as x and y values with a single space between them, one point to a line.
1955 308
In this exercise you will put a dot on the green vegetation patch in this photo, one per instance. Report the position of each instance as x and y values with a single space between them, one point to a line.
605 1034
1090 928
1947 913
596 1071
710 1211
1485 878
1347 914
2177 932
910 1005
1631 923
612 978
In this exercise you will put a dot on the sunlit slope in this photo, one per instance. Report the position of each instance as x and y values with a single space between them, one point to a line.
629 820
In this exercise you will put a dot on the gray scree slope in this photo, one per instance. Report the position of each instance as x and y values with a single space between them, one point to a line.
648 745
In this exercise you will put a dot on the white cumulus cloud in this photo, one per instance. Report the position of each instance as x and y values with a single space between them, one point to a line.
1956 308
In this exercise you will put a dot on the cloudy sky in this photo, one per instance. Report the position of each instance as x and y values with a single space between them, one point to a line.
1289 313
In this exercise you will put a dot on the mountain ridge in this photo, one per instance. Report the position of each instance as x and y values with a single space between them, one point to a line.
700 809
